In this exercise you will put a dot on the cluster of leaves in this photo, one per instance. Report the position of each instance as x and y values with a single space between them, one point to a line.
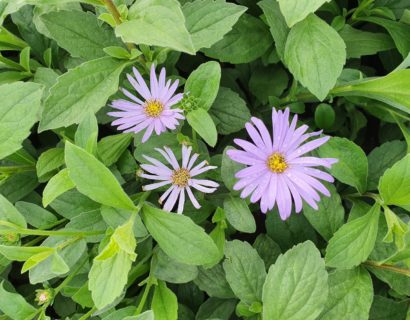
72 213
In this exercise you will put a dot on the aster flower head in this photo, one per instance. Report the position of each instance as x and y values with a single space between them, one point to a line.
180 177
278 170
153 111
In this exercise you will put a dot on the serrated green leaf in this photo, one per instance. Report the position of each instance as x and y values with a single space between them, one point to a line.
297 10
230 111
79 33
330 215
158 23
248 40
315 54
180 237
245 271
208 21
350 295
90 85
354 241
94 180
352 167
394 185
296 285
19 109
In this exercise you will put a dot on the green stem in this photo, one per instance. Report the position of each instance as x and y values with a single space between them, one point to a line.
112 8
70 276
17 169
35 232
144 296
388 267
88 314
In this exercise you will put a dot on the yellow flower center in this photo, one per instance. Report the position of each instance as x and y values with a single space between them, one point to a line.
153 108
276 163
181 177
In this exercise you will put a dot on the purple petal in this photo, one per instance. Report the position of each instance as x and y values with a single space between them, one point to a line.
172 199
181 201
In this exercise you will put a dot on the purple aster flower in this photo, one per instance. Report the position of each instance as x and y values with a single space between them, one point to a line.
153 112
279 170
181 178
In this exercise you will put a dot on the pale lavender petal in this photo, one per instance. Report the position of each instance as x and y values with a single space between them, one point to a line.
158 126
202 170
156 169
172 157
205 182
257 194
154 177
170 92
243 157
283 199
139 127
255 170
131 96
166 194
264 133
272 191
143 89
202 188
318 174
156 163
140 89
181 201
192 161
192 198
154 83
174 100
155 185
307 147
256 138
172 199
295 195
314 161
186 153
148 133
161 81
125 105
251 148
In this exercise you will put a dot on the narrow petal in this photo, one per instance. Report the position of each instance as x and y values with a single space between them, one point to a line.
205 182
166 194
307 147
243 157
181 201
251 148
156 169
192 161
192 198
166 156
283 199
202 170
295 195
131 96
202 188
156 185
172 199
153 83
148 133
255 170
143 89
264 133
186 153
172 156
156 163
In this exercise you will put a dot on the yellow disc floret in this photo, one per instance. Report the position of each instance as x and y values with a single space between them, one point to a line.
181 177
153 108
276 163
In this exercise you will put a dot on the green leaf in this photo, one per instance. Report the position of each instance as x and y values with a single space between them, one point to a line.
203 124
9 213
169 270
80 33
394 185
49 161
37 258
296 285
164 303
203 83
245 271
362 43
324 116
94 180
180 237
267 249
213 282
90 85
350 295
382 158
238 214
87 134
56 186
215 308
19 110
330 215
115 217
208 21
148 148
36 215
315 55
277 24
297 10
352 167
229 168
386 309
109 272
18 185
354 241
229 111
15 306
157 23
390 89
15 253
111 148
248 40
399 31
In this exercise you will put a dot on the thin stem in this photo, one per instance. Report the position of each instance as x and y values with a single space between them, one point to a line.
16 169
70 276
112 8
388 267
144 296
88 314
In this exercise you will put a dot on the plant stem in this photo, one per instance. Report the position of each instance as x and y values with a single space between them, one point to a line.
112 8
144 296
388 267
70 276
88 314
